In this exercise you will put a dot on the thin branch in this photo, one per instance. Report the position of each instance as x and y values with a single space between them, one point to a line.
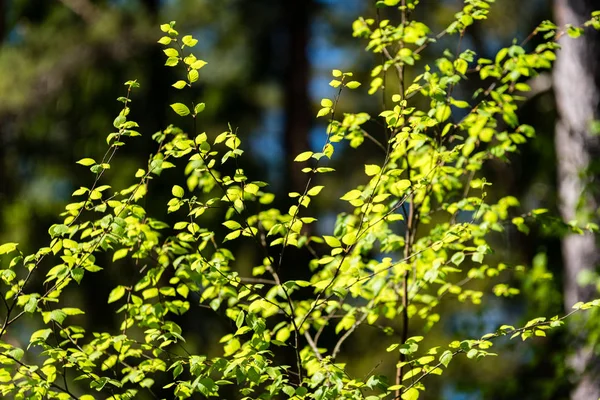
346 335
313 345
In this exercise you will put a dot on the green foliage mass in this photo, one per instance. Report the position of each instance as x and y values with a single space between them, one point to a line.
411 236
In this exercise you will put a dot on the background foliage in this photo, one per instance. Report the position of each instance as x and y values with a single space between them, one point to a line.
269 67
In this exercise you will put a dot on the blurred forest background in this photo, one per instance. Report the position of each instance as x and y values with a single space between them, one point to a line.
63 63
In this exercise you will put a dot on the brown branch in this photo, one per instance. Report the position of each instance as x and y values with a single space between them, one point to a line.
312 345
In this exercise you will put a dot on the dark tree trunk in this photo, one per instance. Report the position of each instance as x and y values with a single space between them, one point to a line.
297 102
577 89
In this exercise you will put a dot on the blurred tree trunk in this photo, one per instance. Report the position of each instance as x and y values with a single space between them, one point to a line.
297 101
577 89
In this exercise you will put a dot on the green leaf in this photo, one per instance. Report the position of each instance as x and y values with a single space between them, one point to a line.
80 191
164 40
183 290
289 390
392 347
116 294
460 103
332 241
55 315
574 32
351 195
232 224
69 244
180 109
179 84
232 235
410 394
120 254
349 238
239 321
171 52
8 248
336 73
371 169
177 191
410 374
472 353
458 258
315 190
150 293
42 334
199 108
31 305
461 66
442 113
198 64
86 162
326 103
402 185
303 156
73 311
352 84
446 357
323 112
16 353
193 75
132 84
77 274
172 61
189 41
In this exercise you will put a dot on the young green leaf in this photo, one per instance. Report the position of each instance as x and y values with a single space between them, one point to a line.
326 103
372 169
199 108
180 109
171 52
332 241
8 248
232 224
351 195
86 162
177 191
116 294
189 41
198 64
303 156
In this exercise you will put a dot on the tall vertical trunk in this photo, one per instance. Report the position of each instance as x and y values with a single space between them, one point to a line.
577 89
297 101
